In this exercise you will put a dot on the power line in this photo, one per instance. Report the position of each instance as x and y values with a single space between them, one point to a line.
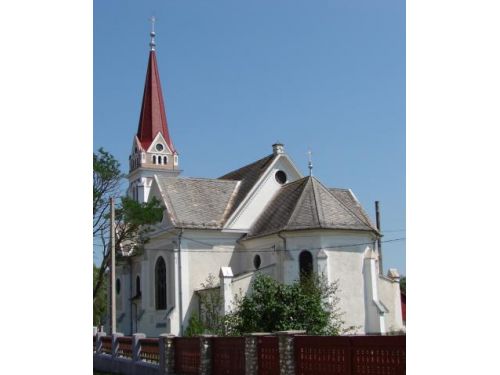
213 248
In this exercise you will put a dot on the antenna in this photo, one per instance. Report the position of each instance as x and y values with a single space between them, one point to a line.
152 43
310 163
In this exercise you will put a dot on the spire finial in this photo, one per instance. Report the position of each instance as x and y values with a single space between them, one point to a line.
310 164
152 43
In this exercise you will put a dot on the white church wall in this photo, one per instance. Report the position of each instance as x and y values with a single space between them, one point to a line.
241 285
344 251
390 296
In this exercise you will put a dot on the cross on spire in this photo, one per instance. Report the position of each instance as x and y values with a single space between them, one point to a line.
310 164
152 43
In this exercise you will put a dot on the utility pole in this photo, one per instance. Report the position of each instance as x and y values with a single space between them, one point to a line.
112 273
379 240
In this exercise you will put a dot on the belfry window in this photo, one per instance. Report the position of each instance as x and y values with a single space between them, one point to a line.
161 284
305 265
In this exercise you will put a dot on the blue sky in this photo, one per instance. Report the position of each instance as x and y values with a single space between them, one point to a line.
238 76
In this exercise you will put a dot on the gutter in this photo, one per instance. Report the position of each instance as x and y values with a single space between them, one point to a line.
179 266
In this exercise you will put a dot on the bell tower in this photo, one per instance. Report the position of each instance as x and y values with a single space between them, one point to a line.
153 152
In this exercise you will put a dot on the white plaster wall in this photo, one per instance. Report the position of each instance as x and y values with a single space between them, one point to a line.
345 251
389 294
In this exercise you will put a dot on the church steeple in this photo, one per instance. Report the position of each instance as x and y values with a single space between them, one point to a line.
153 119
153 151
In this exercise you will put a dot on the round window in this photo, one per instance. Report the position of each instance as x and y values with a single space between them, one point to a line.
159 147
280 177
256 261
118 286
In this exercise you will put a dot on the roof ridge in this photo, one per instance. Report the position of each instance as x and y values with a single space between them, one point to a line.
168 202
230 202
343 205
195 179
270 157
317 206
301 197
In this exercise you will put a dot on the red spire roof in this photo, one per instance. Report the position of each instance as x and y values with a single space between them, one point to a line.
153 118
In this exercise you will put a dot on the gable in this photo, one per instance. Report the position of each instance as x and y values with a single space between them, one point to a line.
159 139
261 192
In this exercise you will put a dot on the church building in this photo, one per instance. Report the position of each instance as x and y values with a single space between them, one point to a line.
265 217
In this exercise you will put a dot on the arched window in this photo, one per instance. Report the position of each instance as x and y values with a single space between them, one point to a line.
165 160
305 264
154 159
159 159
138 285
256 261
161 284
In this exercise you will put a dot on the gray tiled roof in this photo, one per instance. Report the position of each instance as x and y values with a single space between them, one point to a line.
248 175
197 202
307 204
349 200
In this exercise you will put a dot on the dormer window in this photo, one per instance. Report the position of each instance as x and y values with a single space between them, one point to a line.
159 147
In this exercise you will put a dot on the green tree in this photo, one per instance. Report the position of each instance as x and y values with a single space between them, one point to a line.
310 305
100 301
133 220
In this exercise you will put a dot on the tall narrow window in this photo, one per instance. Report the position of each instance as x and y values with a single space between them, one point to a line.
154 159
159 159
305 265
165 160
161 284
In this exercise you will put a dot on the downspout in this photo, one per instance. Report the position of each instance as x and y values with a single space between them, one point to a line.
379 239
281 257
179 267
131 303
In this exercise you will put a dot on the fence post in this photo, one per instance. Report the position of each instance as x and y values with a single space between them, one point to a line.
167 355
136 346
251 355
98 342
206 354
287 352
115 344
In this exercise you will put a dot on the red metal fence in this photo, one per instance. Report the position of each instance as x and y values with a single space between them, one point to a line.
350 355
378 355
228 355
125 347
150 350
268 355
106 344
187 355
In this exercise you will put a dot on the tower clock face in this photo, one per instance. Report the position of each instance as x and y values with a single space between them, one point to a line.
159 147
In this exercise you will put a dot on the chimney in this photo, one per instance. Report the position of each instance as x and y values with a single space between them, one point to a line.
278 148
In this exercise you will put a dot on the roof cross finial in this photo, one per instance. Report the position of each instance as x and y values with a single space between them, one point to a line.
310 163
152 43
